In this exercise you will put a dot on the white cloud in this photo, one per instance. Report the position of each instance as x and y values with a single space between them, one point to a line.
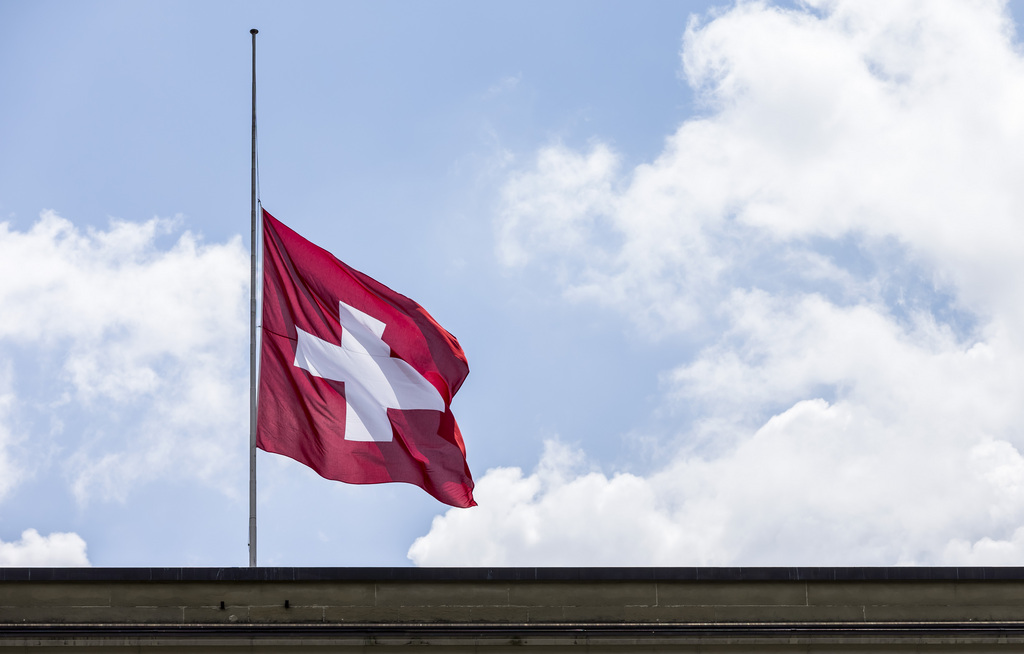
846 221
142 346
555 205
10 472
541 518
820 128
56 550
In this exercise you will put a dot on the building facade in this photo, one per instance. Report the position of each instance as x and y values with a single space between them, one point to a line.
506 609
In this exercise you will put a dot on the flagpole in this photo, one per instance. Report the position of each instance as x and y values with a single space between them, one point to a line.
252 329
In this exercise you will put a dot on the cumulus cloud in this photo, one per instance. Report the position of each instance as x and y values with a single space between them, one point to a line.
541 517
140 347
845 219
56 550
10 472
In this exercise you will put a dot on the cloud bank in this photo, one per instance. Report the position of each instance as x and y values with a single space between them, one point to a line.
125 352
838 233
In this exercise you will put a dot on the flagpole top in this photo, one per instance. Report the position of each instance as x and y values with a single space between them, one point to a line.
254 31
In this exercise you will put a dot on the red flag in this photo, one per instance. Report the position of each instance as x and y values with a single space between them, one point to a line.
356 380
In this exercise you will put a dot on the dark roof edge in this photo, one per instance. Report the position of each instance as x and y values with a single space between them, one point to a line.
517 574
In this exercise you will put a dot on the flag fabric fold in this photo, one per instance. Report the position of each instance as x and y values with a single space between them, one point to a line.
356 380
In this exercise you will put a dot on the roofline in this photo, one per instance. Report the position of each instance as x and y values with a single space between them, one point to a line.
563 574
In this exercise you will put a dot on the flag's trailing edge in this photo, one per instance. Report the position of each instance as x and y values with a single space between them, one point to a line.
356 380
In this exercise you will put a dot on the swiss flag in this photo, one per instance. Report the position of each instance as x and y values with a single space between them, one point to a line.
356 380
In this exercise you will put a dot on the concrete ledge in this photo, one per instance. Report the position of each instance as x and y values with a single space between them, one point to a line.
517 574
608 609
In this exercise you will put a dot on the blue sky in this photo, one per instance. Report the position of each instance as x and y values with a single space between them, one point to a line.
738 284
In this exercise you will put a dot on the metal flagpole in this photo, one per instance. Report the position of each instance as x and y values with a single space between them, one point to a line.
252 330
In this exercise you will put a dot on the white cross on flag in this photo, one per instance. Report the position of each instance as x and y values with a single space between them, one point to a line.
356 380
